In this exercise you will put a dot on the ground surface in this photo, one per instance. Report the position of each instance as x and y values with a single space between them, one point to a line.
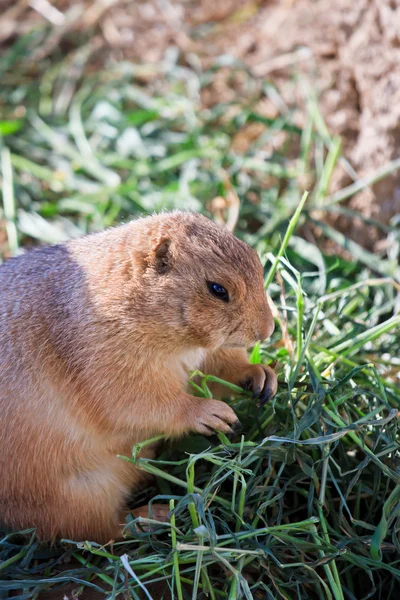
114 110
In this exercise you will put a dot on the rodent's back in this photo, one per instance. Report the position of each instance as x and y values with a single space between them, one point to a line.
37 295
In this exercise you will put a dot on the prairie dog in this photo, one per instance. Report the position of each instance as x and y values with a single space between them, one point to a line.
97 337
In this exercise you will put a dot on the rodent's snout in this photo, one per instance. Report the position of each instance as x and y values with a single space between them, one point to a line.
266 329
266 323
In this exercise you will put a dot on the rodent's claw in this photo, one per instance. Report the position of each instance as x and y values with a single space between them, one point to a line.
270 386
261 381
247 384
266 393
237 427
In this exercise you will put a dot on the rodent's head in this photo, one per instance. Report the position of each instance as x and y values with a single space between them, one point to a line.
204 284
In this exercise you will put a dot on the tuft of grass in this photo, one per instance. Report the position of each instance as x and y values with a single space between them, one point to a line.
304 504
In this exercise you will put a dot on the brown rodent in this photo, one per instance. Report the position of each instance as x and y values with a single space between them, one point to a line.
97 337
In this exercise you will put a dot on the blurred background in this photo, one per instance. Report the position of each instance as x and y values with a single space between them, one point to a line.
110 108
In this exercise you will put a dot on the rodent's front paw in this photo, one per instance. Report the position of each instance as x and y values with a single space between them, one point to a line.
259 379
214 415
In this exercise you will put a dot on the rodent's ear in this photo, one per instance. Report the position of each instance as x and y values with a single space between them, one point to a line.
163 257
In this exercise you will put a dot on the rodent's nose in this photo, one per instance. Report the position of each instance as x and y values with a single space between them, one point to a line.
266 330
266 323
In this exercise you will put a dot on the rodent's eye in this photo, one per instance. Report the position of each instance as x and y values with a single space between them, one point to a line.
218 290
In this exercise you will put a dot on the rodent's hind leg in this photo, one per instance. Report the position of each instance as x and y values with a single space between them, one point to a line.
83 510
158 512
148 516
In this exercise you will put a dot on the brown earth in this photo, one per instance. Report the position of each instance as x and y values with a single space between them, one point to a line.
355 65
347 50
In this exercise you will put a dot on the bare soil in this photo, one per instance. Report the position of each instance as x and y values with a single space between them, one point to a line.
353 63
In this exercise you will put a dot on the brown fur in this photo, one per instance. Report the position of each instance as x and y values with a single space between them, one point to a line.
97 337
